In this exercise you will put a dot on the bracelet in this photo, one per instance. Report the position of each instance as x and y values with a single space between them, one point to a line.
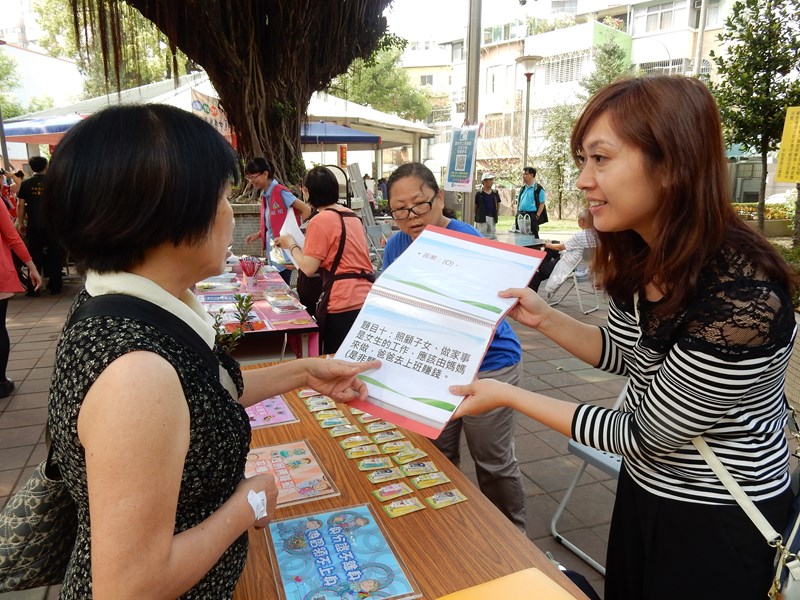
258 502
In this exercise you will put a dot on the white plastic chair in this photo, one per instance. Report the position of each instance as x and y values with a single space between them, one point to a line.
572 281
375 243
609 463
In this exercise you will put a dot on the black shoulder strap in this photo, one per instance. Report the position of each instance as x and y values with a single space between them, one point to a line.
131 307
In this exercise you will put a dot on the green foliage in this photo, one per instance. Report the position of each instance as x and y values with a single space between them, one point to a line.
147 55
749 210
557 168
536 26
611 62
758 71
228 340
381 82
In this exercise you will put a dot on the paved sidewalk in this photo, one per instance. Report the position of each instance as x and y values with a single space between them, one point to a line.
34 325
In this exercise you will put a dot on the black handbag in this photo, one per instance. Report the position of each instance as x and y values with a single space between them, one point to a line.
38 528
39 525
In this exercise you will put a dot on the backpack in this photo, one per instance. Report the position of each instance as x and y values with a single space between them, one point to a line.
542 219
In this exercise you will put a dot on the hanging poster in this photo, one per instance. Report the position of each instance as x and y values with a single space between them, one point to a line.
788 170
461 164
208 108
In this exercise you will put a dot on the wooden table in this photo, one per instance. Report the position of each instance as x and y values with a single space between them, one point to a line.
444 550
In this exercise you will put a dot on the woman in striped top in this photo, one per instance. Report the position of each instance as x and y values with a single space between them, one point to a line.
700 319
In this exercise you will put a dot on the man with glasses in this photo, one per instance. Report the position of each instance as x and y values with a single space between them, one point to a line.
415 201
276 203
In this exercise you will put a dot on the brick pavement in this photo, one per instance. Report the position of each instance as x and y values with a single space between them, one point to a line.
34 325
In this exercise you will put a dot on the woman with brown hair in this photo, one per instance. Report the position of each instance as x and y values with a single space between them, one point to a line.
700 318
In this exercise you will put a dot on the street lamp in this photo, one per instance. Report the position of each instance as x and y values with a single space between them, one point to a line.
528 64
3 147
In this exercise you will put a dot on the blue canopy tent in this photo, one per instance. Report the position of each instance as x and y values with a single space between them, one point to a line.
50 130
315 136
47 130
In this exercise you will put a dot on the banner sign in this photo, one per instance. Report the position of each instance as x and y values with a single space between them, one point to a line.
788 170
461 164
208 108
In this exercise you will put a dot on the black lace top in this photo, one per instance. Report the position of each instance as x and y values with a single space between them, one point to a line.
717 369
219 437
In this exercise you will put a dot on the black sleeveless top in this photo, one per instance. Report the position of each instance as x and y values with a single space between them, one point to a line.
219 437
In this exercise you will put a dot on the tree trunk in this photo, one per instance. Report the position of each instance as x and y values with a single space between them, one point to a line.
265 58
762 188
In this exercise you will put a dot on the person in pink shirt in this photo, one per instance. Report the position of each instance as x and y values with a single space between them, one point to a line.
10 284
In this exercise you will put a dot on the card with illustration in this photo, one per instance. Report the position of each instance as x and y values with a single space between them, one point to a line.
380 425
340 554
366 418
398 508
333 422
396 446
429 480
318 403
413 469
392 491
353 441
362 451
447 498
382 475
387 436
375 462
407 455
341 430
270 412
329 413
298 473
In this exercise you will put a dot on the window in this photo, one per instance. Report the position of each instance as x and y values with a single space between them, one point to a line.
426 80
665 67
660 17
713 18
569 7
457 52
562 68
494 79
493 126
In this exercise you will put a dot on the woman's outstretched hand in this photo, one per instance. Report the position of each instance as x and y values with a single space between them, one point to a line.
338 378
482 395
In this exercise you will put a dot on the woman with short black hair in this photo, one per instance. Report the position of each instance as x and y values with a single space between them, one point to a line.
150 438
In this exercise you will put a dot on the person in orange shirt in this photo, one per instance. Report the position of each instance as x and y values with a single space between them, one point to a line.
335 245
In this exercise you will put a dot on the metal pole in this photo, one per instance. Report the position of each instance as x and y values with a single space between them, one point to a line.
473 87
527 118
3 146
701 31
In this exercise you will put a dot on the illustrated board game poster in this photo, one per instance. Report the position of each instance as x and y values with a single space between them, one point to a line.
269 412
298 473
342 554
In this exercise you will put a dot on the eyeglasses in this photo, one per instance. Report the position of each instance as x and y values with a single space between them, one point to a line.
423 208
